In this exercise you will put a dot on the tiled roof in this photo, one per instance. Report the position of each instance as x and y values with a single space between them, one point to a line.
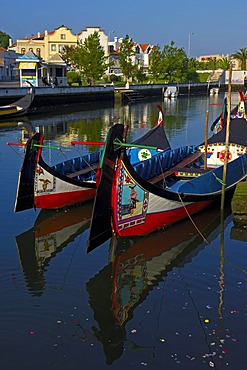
144 47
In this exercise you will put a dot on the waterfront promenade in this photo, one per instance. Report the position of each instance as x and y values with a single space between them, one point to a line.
63 95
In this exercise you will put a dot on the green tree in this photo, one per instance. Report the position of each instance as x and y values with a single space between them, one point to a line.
224 63
140 75
175 63
4 39
212 64
192 75
88 58
241 55
126 54
67 53
156 63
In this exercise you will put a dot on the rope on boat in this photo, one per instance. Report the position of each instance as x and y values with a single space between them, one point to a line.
218 179
199 232
11 146
71 164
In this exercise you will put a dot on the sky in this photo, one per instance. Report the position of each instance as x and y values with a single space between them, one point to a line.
199 27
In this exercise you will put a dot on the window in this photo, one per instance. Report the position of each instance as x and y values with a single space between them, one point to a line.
60 48
23 50
38 52
59 72
28 72
63 36
53 47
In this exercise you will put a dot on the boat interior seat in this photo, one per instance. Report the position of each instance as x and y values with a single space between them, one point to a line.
159 163
95 157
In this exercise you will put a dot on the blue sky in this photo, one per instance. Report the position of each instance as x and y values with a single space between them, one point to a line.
218 26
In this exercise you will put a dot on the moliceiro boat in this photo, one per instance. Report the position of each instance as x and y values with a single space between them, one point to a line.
137 199
20 107
73 181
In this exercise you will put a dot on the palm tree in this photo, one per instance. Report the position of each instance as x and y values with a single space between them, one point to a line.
224 63
241 55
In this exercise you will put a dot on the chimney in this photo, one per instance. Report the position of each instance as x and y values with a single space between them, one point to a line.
38 34
10 42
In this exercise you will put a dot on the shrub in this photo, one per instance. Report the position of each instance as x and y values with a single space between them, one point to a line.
73 77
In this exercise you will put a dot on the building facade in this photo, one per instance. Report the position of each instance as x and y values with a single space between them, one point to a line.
83 35
47 47
236 64
47 44
8 71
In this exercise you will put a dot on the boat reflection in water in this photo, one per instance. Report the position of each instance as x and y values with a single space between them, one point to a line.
52 231
137 266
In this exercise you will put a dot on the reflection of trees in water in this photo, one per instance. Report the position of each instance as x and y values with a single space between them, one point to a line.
93 125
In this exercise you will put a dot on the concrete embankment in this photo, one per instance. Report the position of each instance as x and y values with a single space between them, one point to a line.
239 210
239 201
47 96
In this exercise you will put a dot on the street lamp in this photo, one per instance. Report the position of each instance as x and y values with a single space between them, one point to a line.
109 35
189 43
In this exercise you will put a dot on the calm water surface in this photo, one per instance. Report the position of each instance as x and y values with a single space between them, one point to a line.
175 299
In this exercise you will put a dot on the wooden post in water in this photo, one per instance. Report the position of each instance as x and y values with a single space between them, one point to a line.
226 138
206 141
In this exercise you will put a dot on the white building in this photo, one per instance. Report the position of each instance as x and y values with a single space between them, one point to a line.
8 70
83 35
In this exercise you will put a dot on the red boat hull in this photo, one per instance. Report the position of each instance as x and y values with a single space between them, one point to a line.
154 221
60 200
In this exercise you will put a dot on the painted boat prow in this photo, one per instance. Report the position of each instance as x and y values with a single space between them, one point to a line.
100 229
25 188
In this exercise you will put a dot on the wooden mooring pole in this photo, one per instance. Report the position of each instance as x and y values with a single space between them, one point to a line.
226 139
206 142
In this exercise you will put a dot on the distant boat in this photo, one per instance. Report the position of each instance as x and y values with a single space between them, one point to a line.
214 91
20 107
171 92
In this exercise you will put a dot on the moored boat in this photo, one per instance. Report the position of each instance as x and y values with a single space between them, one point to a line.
73 181
171 92
20 107
168 187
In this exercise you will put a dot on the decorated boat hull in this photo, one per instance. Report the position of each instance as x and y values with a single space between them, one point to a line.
164 189
43 186
73 181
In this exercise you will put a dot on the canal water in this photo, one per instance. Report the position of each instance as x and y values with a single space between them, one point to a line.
175 299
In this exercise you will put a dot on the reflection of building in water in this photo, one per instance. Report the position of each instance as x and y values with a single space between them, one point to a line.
137 266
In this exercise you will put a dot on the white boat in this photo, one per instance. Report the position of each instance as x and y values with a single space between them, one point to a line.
171 92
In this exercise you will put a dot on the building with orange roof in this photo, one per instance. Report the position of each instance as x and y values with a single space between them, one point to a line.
48 46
